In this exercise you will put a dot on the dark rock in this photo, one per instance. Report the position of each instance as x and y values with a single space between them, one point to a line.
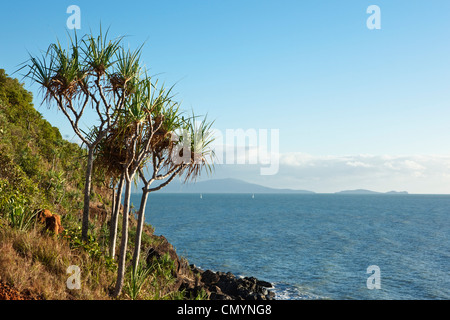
215 289
252 296
162 247
217 285
251 279
222 284
219 296
264 284
261 296
195 269
210 278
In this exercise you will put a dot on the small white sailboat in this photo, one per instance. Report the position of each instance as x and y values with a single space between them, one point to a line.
201 196
253 196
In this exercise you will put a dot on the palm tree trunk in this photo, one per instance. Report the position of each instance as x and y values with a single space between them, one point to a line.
113 198
87 194
124 240
140 226
115 219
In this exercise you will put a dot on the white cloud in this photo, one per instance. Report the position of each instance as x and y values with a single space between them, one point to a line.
412 173
358 164
296 159
413 165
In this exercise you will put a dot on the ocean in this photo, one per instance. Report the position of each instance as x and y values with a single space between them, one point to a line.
315 246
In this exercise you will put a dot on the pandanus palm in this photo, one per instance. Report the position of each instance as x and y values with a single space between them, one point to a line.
139 125
168 162
86 75
137 121
121 147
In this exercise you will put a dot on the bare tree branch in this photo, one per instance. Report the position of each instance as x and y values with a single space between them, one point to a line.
165 183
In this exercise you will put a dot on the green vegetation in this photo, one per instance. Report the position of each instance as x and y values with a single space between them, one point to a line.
134 137
39 169
136 125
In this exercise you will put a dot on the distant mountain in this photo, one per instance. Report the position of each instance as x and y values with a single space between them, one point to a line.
357 191
397 192
238 186
224 186
364 191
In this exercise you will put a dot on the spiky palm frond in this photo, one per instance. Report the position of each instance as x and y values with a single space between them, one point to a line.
100 52
41 71
127 69
58 72
69 71
196 140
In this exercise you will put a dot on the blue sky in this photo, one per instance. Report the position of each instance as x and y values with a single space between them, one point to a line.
342 96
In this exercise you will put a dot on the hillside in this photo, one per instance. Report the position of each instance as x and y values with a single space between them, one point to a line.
40 170
36 160
364 191
225 186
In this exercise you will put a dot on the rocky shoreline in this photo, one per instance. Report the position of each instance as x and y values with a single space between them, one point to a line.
226 286
216 285
191 280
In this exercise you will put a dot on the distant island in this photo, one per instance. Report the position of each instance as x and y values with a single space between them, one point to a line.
225 186
364 191
230 185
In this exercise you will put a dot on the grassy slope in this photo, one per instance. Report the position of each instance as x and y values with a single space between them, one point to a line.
39 169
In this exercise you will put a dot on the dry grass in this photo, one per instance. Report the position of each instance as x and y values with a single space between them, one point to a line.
38 262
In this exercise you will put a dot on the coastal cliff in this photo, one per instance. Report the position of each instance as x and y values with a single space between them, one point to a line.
41 171
214 285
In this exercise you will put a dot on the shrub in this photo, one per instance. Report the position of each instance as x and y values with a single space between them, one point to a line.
14 208
137 279
20 216
91 246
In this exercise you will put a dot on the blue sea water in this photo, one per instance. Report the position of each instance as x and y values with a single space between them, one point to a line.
314 246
